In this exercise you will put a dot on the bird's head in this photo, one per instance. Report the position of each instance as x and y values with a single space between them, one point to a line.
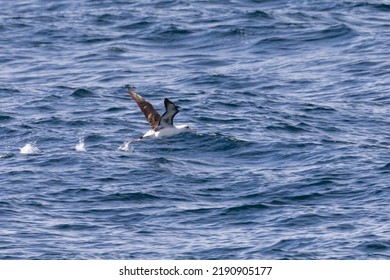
185 127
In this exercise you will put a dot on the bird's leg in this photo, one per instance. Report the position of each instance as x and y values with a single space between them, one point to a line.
137 140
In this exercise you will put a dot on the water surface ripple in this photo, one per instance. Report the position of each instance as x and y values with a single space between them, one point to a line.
290 103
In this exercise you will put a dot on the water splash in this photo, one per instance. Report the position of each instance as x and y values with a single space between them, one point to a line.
80 146
30 149
125 147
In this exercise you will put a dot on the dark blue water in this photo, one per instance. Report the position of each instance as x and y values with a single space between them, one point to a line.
291 105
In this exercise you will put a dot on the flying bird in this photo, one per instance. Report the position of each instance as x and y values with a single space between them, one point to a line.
161 126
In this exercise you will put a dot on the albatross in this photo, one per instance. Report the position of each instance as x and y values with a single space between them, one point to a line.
161 126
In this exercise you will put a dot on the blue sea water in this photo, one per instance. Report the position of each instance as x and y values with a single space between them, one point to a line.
290 101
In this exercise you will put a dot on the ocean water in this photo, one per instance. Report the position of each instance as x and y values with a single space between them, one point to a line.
290 101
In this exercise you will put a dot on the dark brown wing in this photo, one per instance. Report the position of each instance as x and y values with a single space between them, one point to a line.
150 113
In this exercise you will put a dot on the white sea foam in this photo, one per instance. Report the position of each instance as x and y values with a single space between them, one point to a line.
125 147
30 149
80 147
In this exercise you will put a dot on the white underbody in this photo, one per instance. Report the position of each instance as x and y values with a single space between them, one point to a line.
166 131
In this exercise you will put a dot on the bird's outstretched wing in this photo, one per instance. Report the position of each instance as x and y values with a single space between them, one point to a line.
170 112
150 113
